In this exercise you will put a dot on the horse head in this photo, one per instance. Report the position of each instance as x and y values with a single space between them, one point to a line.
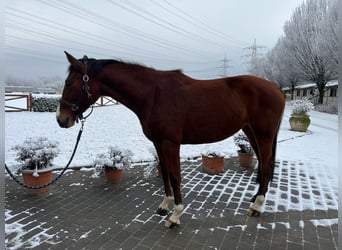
79 92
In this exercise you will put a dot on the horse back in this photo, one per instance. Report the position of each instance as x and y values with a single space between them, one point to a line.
193 111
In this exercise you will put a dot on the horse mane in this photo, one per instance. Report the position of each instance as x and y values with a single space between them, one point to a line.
97 65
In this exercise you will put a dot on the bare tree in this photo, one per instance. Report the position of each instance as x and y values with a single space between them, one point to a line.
306 43
308 49
286 73
276 67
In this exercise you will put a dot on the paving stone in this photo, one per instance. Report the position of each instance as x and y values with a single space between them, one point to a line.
100 215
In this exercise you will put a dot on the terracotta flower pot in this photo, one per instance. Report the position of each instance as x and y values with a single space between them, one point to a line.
113 175
212 164
299 122
45 176
246 159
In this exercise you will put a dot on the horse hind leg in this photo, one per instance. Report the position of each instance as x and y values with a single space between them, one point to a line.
251 137
266 171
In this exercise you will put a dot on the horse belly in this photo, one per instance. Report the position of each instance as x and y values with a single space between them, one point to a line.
209 129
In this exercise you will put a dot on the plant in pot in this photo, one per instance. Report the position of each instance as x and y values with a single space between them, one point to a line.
154 166
112 163
212 162
300 120
245 152
36 155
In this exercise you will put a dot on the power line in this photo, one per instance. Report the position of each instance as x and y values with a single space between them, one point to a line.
203 25
93 17
136 10
57 41
67 29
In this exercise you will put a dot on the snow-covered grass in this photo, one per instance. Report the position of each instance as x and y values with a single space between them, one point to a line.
118 126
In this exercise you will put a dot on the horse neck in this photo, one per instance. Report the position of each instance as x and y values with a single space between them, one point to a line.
129 85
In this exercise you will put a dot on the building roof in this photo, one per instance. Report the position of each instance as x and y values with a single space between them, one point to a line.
312 85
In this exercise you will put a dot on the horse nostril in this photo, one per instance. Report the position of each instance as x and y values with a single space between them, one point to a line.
63 124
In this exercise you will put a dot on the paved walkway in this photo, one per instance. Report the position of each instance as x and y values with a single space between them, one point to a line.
80 212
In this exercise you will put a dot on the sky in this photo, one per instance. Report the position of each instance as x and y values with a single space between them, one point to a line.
195 36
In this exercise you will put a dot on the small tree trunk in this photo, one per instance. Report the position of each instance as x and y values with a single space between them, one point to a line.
292 90
321 87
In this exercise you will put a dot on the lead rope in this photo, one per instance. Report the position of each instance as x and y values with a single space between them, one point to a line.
61 173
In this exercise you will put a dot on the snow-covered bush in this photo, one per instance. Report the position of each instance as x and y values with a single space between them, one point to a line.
115 158
152 167
241 140
36 153
44 104
327 108
301 107
212 153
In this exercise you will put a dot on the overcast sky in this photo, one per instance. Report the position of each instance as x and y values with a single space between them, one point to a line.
193 35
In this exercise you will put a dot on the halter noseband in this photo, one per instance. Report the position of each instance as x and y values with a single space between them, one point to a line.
85 78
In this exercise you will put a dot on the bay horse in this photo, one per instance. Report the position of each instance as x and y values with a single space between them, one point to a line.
175 109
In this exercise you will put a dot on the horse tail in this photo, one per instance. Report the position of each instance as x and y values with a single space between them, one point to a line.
274 149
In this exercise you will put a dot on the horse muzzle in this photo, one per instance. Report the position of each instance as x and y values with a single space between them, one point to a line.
65 123
65 120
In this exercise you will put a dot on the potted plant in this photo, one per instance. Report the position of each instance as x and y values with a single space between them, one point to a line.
112 163
300 120
245 152
212 162
36 155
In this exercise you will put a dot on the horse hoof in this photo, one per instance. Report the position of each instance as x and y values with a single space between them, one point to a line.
171 225
162 211
253 199
253 213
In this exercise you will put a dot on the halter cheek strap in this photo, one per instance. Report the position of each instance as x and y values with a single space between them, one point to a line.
85 78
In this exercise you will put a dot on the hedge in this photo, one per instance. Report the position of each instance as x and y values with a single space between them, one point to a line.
44 104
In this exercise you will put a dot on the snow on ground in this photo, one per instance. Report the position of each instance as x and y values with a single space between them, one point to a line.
117 125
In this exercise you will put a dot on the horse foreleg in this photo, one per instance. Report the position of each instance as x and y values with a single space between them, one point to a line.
175 177
168 153
163 208
170 166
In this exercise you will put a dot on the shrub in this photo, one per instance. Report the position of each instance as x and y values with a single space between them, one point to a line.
44 104
115 158
327 108
36 152
241 140
301 107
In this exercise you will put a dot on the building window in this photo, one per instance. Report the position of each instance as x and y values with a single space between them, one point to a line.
333 92
305 92
298 92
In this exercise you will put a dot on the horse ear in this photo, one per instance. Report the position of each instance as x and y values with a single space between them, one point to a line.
73 61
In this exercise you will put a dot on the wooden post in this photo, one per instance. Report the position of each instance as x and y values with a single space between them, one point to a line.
29 102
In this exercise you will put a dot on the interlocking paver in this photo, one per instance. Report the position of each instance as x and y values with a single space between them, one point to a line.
81 212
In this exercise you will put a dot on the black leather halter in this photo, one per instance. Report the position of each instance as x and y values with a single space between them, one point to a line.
74 107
